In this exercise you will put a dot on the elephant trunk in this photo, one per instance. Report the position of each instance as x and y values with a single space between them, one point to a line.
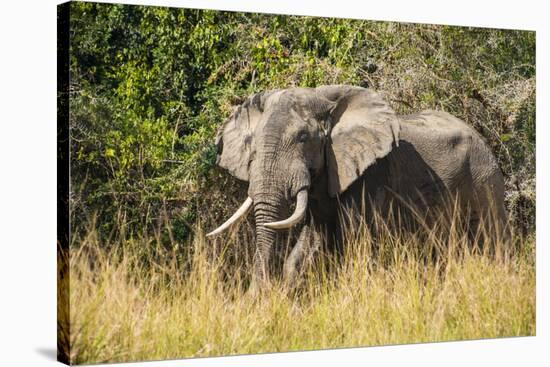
273 194
266 210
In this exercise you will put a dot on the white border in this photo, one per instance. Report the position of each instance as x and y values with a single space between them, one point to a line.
28 166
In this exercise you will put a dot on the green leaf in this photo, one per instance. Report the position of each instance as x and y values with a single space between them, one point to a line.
505 137
109 152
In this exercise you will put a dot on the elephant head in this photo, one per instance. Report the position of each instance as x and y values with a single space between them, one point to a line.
283 141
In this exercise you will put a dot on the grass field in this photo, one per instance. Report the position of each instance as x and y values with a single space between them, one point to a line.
126 305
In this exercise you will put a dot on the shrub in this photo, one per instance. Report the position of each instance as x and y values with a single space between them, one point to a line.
150 85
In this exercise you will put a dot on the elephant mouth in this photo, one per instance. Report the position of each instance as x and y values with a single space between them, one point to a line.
296 217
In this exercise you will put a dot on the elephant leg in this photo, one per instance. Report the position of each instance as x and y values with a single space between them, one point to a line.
307 245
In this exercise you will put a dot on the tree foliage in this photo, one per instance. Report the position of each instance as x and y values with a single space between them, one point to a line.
150 85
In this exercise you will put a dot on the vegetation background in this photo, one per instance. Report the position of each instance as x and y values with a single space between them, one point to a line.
150 85
148 88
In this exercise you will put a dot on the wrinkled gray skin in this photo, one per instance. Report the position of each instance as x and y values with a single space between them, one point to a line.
346 146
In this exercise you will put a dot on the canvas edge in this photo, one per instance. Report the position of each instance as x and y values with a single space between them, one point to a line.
63 162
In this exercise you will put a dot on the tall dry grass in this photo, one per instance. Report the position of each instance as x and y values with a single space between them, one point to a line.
128 303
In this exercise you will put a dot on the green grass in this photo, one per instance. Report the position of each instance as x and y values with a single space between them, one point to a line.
127 306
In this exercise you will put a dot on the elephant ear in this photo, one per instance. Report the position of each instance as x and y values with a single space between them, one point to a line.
234 139
363 129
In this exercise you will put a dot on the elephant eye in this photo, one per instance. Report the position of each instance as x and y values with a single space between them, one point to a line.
302 136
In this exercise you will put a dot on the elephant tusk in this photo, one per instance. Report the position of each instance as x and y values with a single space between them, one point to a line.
241 212
297 216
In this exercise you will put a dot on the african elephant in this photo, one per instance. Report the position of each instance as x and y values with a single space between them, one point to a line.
335 146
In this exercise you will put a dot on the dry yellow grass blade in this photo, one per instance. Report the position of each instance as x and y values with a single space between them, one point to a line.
388 290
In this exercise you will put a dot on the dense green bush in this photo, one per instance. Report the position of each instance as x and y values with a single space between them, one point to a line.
150 85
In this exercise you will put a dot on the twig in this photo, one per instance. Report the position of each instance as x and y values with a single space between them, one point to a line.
403 102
